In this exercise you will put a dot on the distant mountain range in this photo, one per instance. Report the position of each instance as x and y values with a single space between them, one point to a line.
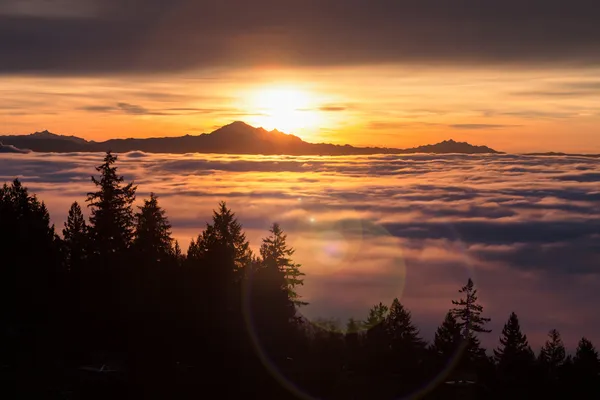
235 138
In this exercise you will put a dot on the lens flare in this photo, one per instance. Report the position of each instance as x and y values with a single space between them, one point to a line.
338 248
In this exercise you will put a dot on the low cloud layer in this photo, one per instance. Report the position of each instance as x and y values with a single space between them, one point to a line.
371 228
109 36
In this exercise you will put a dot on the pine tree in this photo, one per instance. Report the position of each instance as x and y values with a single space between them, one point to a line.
272 310
586 359
112 219
448 338
514 349
29 295
153 232
377 315
75 238
468 314
222 240
179 257
274 249
403 335
553 354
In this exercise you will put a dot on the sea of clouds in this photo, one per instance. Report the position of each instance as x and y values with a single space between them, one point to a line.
370 228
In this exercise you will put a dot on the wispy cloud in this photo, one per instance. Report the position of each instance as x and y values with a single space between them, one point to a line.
134 109
481 126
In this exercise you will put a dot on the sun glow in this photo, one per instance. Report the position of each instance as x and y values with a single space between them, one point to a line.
286 109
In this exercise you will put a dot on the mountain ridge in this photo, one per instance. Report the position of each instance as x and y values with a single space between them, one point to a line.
234 138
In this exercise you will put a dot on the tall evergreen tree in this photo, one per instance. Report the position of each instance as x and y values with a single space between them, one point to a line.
468 314
272 310
403 334
223 239
468 311
377 315
29 289
586 360
112 219
179 257
553 354
514 348
448 338
75 238
274 249
153 231
403 350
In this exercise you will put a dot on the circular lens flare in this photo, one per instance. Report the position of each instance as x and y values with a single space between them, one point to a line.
356 258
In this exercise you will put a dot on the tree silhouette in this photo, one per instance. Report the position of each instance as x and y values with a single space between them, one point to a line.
514 348
514 360
586 368
111 220
376 316
403 334
586 358
224 239
468 311
468 314
153 231
448 338
272 308
30 265
75 238
274 249
553 354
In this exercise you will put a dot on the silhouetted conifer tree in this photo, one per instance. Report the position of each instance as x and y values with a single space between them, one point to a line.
112 219
403 335
377 315
586 359
153 232
274 249
224 239
75 238
448 338
514 348
272 308
553 354
30 265
468 314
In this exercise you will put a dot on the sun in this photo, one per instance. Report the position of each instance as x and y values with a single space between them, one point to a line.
286 109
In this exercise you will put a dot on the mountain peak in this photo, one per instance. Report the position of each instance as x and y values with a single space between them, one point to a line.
236 137
45 132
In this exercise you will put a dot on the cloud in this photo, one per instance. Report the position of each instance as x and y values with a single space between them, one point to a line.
12 149
371 228
385 125
112 36
333 108
481 126
134 109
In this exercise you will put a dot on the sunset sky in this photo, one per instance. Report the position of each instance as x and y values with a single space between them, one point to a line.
515 76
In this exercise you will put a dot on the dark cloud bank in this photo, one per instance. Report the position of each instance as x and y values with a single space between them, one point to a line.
154 35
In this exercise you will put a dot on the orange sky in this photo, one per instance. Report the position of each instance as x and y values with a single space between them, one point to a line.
394 106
